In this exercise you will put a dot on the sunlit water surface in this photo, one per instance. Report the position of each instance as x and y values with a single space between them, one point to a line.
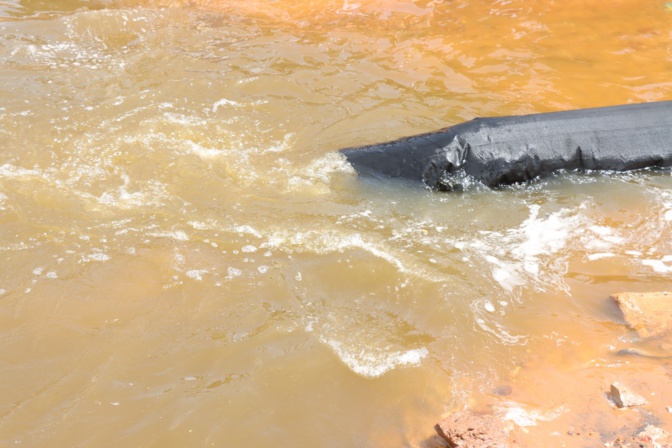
187 261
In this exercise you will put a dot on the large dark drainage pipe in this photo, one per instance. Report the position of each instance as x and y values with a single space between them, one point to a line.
506 150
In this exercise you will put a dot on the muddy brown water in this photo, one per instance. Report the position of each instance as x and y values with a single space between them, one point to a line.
187 261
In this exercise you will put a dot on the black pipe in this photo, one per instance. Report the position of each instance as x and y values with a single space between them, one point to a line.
506 150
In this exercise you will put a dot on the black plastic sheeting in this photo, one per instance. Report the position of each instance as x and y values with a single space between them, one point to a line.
506 150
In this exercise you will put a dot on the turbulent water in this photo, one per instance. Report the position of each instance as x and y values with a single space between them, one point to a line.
186 260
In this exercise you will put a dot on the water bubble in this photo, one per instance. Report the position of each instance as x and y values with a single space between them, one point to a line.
196 274
99 256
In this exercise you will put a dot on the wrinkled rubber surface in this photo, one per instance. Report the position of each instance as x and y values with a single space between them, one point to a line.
507 150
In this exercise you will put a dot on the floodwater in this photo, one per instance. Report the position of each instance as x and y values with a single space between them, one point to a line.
187 261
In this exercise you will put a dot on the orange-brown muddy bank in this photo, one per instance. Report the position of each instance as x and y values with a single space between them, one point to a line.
559 395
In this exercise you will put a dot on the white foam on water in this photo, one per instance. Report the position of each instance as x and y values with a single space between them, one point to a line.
121 198
286 143
98 256
527 254
9 170
330 241
370 362
233 272
179 258
60 55
196 274
181 119
320 171
485 319
517 414
178 235
603 238
599 256
202 152
505 273
661 266
542 236
323 167
248 230
224 102
600 230
348 8
309 326
198 225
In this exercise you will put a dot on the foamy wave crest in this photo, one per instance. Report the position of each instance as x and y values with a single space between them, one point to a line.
661 266
485 318
8 170
542 236
203 152
322 170
329 241
528 254
369 342
147 194
643 243
177 235
521 416
372 362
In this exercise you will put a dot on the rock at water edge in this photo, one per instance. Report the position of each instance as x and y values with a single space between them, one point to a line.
648 313
467 430
624 397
